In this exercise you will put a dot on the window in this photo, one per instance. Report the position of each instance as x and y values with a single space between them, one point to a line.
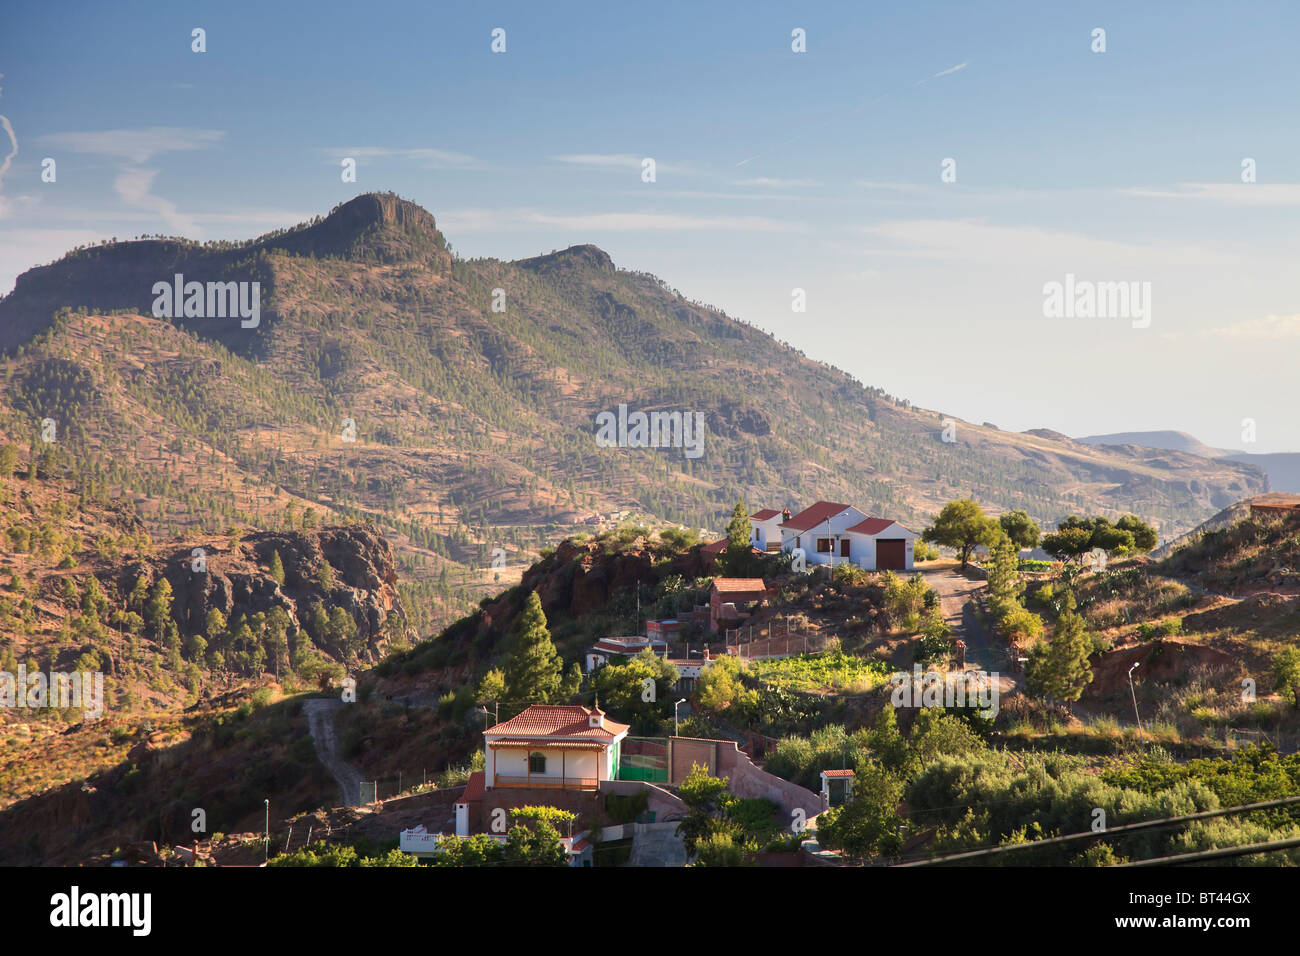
537 763
824 546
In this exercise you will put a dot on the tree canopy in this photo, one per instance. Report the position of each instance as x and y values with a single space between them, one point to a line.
961 525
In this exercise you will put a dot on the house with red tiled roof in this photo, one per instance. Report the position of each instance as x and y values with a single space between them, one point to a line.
880 544
562 747
831 532
729 597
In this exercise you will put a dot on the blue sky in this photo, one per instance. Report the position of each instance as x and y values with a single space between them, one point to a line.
775 170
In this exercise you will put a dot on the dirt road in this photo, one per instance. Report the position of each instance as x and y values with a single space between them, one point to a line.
957 599
320 719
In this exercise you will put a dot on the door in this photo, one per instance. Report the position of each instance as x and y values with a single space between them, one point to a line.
891 554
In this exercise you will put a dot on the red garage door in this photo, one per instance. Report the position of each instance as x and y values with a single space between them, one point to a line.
891 554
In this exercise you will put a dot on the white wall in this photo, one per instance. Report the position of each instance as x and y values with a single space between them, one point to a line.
863 548
576 763
836 527
762 532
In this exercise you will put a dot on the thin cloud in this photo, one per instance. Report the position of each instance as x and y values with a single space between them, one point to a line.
135 146
493 220
603 160
1237 194
977 241
893 187
775 183
135 185
630 161
426 157
1269 328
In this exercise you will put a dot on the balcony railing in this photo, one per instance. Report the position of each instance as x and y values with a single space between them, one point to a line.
549 783
418 842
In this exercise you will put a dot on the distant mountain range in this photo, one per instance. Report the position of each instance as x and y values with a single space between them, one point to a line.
454 402
1282 468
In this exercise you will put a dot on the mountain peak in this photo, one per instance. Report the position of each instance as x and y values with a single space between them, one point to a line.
580 258
381 209
383 224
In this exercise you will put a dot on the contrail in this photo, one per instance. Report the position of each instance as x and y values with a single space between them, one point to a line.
952 69
4 121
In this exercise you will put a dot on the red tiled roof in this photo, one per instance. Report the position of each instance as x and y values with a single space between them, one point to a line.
815 515
765 514
475 788
715 546
872 526
837 773
556 720
730 585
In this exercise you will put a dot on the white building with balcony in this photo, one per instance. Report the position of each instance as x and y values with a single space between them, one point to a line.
562 747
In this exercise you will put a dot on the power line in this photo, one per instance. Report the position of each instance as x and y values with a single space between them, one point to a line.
1247 850
1109 832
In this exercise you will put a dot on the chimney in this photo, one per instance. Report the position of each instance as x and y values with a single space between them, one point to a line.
785 515
596 718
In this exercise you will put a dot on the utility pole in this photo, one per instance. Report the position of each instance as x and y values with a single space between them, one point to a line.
266 838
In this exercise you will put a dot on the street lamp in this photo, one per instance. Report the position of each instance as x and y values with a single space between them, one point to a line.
675 706
1136 716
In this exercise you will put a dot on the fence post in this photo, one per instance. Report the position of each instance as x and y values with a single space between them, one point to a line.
308 843
288 839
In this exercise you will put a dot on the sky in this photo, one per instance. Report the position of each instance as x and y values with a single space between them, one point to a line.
923 172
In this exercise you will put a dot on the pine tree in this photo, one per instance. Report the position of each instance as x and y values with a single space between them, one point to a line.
534 670
737 559
1059 668
277 568
1005 585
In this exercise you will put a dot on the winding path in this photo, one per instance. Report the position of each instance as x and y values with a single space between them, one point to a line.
958 596
320 720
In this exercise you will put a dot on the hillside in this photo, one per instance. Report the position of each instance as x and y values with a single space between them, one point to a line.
472 429
1167 440
1282 468
85 588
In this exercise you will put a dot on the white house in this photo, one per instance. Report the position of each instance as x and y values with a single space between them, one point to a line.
830 532
562 747
599 654
879 544
821 532
765 529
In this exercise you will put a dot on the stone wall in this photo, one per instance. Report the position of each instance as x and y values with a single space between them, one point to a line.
747 780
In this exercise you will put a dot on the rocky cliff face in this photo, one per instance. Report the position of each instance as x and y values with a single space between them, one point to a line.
578 579
239 581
